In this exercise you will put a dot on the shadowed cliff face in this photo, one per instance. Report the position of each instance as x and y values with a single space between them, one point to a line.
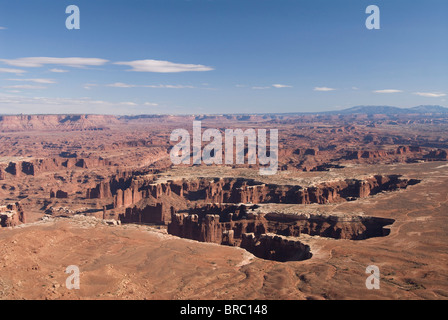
348 228
39 166
12 215
224 210
244 218
274 247
132 192
250 234
266 235
127 191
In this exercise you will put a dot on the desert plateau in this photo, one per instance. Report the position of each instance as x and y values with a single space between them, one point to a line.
101 193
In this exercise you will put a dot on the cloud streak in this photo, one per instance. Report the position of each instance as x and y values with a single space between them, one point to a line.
24 86
323 89
261 88
56 70
38 80
160 66
22 100
9 102
430 94
150 104
158 86
35 62
388 91
9 70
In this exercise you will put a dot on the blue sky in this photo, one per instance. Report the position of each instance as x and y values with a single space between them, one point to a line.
223 56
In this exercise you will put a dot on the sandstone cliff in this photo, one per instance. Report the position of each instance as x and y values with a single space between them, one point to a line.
145 194
36 166
11 215
55 122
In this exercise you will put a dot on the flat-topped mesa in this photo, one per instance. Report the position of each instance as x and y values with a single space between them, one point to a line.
367 154
210 228
437 155
274 247
249 191
154 214
212 222
348 227
36 166
227 212
400 154
408 150
263 234
335 155
11 215
250 234
141 194
11 123
131 190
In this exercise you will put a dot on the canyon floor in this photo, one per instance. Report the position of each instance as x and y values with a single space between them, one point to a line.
71 212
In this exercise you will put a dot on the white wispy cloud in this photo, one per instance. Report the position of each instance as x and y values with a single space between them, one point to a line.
34 62
38 80
3 28
9 70
19 100
430 94
56 70
18 103
24 86
277 85
88 86
121 85
158 86
261 88
162 66
323 89
388 91
171 86
44 101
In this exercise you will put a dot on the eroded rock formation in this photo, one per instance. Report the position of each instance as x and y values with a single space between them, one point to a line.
158 213
275 247
11 215
59 194
10 123
36 166
258 231
128 192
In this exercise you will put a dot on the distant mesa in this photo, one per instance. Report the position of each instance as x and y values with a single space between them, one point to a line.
11 123
389 110
79 122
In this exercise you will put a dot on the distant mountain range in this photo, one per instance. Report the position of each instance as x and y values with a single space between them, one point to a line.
56 120
388 110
